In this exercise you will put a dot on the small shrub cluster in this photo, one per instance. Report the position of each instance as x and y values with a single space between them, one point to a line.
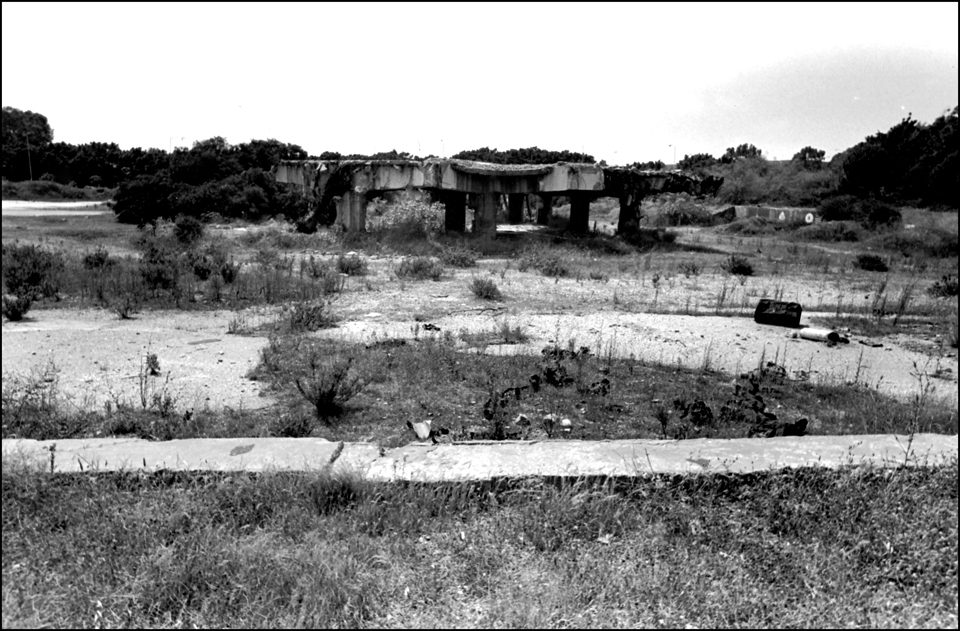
15 307
485 289
461 257
870 213
420 268
871 263
649 238
31 272
737 265
548 262
838 231
352 264
406 216
946 287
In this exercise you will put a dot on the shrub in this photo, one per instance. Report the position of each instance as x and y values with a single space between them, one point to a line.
946 287
98 259
458 257
547 262
870 213
849 231
159 267
420 268
15 307
328 383
352 264
29 271
646 238
187 229
485 289
871 263
308 316
737 265
407 216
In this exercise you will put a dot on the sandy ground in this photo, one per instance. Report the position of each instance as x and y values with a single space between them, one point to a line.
19 208
98 356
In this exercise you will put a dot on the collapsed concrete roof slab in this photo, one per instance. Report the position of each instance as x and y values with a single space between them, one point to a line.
482 460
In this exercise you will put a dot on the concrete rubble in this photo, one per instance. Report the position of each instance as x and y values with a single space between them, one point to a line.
483 460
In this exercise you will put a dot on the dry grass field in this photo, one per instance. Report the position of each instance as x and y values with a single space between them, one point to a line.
256 330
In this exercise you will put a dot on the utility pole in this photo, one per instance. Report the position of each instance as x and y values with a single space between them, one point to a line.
29 161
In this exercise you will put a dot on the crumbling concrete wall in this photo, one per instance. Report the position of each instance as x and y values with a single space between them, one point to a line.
340 189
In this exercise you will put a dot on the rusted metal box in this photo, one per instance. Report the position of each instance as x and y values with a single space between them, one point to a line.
778 313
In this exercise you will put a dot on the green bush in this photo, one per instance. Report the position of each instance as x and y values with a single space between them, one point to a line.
946 287
31 272
737 265
328 382
461 257
546 261
98 259
849 231
188 230
933 242
870 213
485 289
15 307
420 268
412 217
871 263
352 264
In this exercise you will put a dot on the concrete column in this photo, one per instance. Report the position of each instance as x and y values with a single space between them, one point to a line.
579 212
629 213
455 215
485 220
352 211
546 209
515 207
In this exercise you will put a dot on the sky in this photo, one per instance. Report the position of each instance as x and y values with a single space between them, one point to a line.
623 82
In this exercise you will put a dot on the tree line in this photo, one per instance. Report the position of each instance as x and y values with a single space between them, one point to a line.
912 163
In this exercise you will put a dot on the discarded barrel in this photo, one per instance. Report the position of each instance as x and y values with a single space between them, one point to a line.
778 313
820 335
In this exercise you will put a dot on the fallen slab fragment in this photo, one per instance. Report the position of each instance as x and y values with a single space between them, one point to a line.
483 460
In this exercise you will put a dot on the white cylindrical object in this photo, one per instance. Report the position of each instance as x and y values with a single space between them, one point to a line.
820 335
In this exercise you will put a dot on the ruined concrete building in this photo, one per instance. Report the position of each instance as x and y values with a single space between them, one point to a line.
341 189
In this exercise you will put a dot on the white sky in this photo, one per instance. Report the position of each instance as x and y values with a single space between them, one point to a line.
623 82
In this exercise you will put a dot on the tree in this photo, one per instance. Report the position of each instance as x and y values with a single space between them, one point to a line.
698 162
650 165
810 158
742 151
24 132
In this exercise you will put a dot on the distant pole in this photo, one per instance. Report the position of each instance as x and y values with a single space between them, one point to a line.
29 161
674 155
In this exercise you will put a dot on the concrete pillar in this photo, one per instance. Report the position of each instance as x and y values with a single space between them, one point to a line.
546 209
455 215
352 211
629 213
579 212
485 220
515 207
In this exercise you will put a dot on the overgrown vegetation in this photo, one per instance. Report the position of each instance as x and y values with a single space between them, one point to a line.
330 549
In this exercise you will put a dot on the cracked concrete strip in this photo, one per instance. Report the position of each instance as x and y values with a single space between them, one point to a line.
483 460
209 454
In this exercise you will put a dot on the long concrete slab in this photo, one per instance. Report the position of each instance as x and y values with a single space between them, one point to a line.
482 460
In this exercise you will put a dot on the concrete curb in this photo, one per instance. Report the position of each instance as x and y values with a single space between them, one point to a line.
483 460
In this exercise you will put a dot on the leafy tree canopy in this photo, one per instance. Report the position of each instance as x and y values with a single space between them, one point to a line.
23 130
742 151
809 157
697 162
529 155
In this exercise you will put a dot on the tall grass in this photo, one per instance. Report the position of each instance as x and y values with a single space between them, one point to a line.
328 549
